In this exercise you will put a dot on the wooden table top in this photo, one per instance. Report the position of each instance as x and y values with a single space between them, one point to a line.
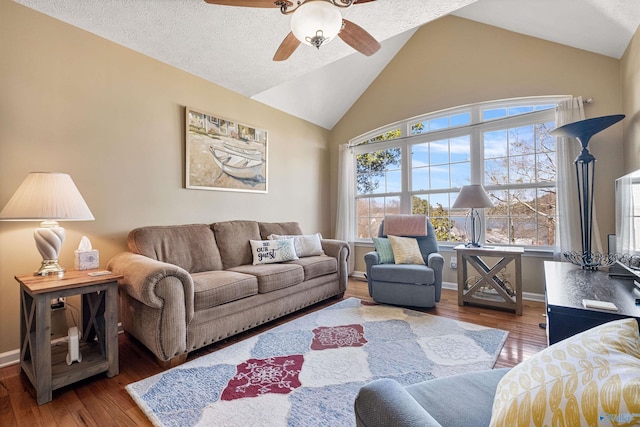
71 279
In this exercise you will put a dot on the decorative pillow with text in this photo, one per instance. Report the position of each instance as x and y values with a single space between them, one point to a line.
270 251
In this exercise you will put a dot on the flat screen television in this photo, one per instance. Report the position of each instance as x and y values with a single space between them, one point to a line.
627 239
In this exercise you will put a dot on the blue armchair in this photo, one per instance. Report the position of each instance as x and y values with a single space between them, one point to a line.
407 284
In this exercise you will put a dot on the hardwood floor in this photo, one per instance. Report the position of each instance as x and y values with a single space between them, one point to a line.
101 401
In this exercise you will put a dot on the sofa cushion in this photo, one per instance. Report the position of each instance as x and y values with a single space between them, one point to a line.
191 247
233 238
589 379
270 251
305 244
213 288
267 228
272 277
316 266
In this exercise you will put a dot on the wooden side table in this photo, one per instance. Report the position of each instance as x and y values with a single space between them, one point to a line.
489 288
45 365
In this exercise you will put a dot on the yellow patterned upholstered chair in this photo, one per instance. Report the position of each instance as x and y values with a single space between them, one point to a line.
590 379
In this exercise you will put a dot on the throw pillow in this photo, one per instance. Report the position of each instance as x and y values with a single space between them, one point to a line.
385 252
406 250
270 251
590 379
305 244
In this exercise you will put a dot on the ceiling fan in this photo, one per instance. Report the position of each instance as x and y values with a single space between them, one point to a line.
314 22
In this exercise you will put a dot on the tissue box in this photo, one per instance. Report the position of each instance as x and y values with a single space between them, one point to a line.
86 260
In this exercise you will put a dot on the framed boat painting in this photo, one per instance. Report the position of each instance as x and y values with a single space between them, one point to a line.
224 154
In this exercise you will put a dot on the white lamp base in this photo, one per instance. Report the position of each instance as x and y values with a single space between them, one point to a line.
49 237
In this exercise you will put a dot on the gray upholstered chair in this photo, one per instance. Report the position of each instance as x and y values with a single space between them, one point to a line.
407 284
463 400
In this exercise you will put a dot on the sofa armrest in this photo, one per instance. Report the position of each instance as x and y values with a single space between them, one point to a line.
385 403
338 249
158 285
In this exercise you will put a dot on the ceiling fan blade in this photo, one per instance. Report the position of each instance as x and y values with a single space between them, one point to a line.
245 3
362 1
356 37
287 47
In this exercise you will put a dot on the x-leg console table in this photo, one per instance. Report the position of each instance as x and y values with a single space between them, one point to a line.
490 287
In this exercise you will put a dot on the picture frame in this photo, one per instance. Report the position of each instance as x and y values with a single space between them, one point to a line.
223 154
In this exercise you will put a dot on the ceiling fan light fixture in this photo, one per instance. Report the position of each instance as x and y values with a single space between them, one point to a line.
316 22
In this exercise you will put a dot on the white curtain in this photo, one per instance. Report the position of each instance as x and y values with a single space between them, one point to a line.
345 217
568 233
625 240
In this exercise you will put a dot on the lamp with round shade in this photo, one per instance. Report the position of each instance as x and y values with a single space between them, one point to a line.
316 22
49 198
473 196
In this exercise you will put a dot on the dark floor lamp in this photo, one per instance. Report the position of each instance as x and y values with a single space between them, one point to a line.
583 130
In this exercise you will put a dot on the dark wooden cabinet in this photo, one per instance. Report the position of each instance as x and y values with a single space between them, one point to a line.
567 285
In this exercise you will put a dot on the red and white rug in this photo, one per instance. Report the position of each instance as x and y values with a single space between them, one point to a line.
307 372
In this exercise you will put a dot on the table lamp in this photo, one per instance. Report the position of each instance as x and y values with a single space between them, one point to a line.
473 196
47 197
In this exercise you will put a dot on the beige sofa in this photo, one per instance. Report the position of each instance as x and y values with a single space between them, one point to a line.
187 286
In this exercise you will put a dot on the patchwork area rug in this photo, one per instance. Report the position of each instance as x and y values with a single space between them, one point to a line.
307 372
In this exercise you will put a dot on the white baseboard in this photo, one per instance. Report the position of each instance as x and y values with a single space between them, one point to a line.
528 296
9 358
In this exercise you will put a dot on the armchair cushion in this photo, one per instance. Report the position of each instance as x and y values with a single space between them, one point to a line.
403 273
384 250
406 250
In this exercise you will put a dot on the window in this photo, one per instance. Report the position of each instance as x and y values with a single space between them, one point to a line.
419 166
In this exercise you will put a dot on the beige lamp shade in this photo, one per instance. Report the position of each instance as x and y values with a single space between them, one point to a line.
47 197
472 196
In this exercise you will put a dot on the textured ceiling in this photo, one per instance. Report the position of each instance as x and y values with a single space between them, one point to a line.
233 46
600 26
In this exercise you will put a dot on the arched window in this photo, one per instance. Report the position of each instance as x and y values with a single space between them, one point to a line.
419 165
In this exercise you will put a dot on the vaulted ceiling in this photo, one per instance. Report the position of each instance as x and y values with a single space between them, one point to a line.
233 46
